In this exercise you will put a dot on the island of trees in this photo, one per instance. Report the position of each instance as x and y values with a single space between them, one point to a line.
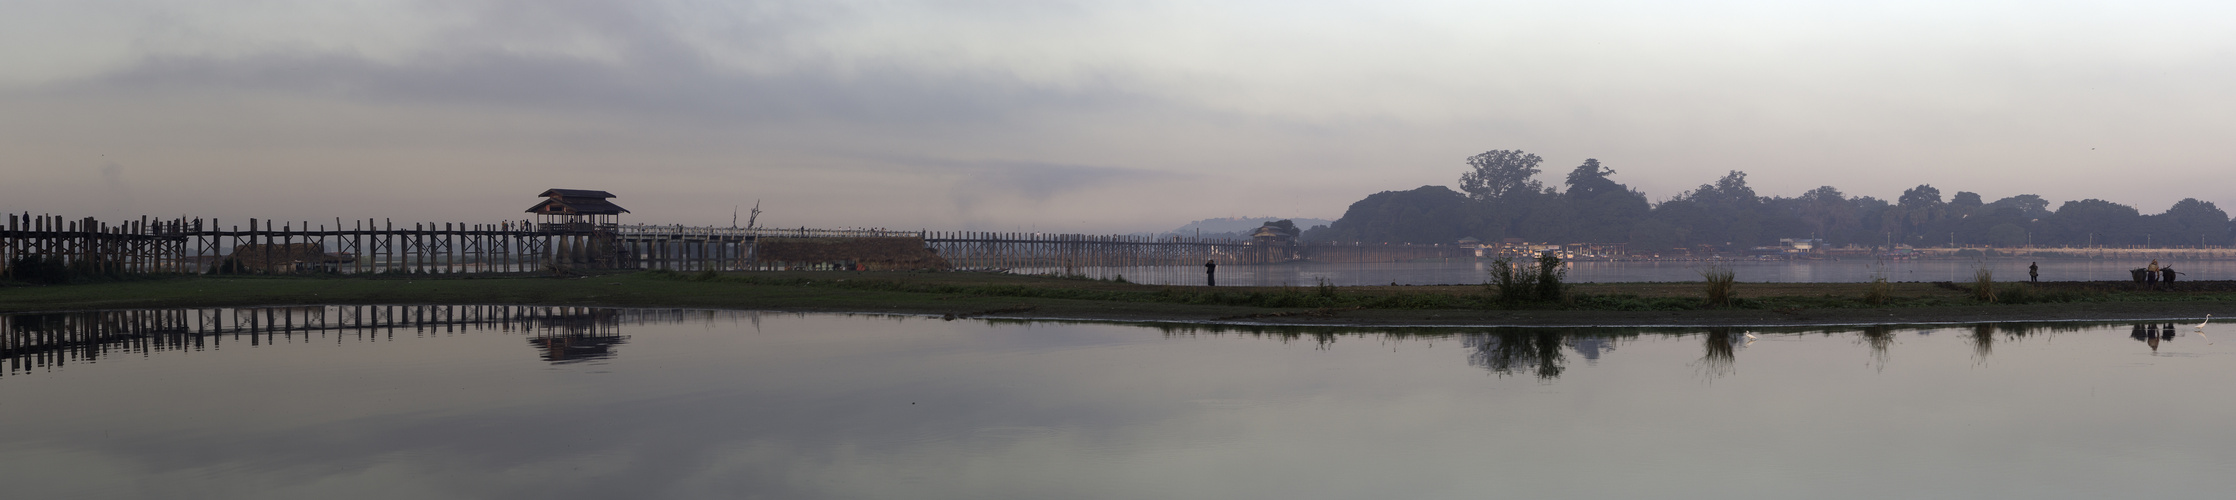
1500 198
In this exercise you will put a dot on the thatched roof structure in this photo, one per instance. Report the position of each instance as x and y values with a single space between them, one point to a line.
576 202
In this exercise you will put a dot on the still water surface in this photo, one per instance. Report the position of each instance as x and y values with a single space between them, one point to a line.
597 403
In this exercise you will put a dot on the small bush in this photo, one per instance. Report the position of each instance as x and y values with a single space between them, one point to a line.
55 270
38 269
1325 288
1549 276
1512 285
2015 294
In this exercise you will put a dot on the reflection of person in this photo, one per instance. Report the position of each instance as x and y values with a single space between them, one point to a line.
2033 272
2151 334
1210 272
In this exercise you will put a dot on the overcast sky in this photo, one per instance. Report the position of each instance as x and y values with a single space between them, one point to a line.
1094 116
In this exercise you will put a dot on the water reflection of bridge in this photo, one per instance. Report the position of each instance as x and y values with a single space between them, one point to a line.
559 334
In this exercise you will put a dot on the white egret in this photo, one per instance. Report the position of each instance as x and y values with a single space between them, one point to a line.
2208 319
1750 336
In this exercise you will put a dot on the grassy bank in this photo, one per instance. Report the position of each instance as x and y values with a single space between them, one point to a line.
982 294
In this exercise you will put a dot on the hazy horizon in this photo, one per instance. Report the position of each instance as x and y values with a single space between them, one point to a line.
1087 116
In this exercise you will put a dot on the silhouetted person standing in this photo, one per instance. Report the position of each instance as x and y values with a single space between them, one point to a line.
2033 272
1210 273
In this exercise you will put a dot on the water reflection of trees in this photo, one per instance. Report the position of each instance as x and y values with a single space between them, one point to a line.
1984 337
1506 352
1544 353
558 334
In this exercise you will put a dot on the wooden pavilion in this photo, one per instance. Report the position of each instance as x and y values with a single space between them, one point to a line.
577 209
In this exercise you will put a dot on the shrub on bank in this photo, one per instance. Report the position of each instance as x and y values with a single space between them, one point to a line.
1719 280
1516 283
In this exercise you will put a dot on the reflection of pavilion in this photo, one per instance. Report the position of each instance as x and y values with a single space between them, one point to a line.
577 336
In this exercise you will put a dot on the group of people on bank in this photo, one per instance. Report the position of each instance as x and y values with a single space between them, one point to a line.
2153 274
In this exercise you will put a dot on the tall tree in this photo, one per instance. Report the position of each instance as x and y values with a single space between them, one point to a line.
1921 196
2095 221
1965 199
1726 213
1603 209
1828 211
1499 173
2030 206
2195 222
1914 214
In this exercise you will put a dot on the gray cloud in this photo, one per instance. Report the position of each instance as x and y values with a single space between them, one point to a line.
668 87
1037 180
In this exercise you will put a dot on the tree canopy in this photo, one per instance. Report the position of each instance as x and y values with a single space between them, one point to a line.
1498 173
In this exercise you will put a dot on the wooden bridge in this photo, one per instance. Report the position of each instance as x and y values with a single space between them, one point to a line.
183 245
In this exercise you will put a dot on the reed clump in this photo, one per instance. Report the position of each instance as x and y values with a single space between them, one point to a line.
1983 285
1881 291
1719 284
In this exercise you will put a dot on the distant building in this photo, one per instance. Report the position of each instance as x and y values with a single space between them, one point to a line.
1271 243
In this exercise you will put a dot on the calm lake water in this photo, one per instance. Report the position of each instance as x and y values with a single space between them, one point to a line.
1471 272
480 402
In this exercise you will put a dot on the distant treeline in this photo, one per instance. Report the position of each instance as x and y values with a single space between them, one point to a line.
1499 199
